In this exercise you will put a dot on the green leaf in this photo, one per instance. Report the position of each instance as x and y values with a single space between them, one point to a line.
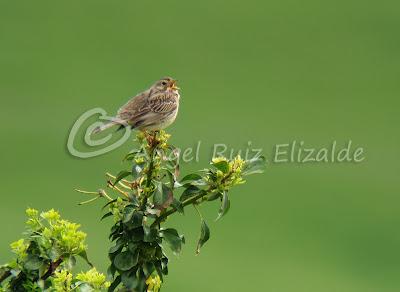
191 177
128 213
137 219
225 205
111 271
150 212
190 192
129 279
137 234
204 235
148 268
106 215
126 260
164 265
33 262
171 178
134 199
132 247
84 256
115 231
54 253
42 270
4 268
178 206
214 196
121 175
109 203
142 281
131 155
85 287
118 246
158 266
254 165
137 170
70 262
163 196
173 239
150 234
222 166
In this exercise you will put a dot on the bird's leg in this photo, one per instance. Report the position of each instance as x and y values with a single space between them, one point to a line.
155 137
151 137
147 136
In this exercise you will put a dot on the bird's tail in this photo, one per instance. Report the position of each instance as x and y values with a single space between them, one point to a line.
105 126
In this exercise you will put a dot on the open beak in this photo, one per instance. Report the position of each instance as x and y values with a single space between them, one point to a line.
173 85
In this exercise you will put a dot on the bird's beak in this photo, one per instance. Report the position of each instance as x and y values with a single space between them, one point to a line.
173 85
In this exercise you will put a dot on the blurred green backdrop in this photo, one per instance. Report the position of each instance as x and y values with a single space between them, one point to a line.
269 72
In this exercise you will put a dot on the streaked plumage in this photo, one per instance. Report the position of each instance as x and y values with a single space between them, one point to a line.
153 109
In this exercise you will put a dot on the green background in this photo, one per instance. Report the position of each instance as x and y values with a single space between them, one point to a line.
269 72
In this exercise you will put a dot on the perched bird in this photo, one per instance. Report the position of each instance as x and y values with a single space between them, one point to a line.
154 109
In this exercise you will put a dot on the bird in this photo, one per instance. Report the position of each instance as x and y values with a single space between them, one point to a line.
151 110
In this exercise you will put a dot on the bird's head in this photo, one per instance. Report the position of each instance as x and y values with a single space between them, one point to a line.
166 83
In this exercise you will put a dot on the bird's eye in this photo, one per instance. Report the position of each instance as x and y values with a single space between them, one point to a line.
164 83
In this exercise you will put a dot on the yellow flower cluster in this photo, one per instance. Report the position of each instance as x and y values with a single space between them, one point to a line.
68 236
237 164
33 218
94 278
153 284
216 160
51 216
139 160
163 139
117 209
63 233
19 247
231 176
62 281
31 213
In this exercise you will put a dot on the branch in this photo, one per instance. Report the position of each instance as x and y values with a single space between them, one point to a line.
184 204
189 201
121 181
112 186
152 143
52 268
5 275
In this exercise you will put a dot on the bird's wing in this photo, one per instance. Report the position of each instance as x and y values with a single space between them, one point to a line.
148 108
134 106
163 103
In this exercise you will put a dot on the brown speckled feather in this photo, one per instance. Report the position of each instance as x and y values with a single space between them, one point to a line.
144 112
153 109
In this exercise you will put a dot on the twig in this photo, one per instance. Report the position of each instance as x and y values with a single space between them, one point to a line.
120 182
104 194
110 185
87 192
99 194
184 204
189 201
52 268
89 201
